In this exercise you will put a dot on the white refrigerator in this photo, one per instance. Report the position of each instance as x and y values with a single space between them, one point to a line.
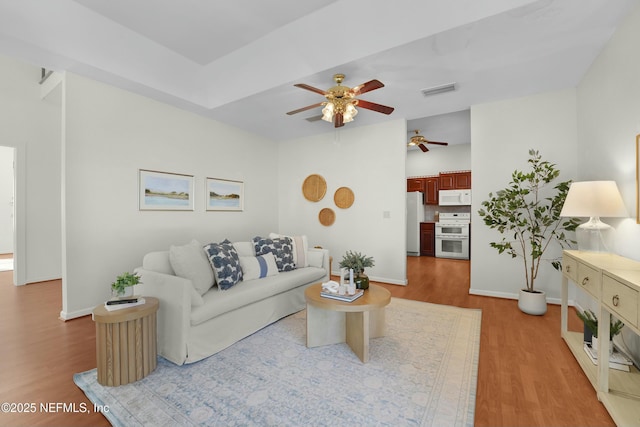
415 215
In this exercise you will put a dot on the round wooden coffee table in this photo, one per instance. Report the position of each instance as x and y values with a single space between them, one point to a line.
331 321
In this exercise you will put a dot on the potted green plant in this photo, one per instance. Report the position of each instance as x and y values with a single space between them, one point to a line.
591 323
122 286
527 214
357 262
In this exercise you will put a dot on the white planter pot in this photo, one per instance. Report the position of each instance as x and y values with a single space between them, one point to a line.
532 302
128 292
594 344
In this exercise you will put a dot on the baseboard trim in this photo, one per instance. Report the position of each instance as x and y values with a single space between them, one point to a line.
64 316
506 295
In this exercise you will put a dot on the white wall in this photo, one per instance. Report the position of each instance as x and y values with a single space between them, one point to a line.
33 127
439 159
110 135
6 200
608 122
371 161
502 134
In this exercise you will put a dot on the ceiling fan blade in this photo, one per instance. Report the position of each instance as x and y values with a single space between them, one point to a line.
314 118
423 148
374 107
437 143
308 107
311 88
367 87
339 120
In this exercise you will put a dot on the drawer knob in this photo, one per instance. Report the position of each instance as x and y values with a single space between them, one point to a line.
585 281
615 300
568 269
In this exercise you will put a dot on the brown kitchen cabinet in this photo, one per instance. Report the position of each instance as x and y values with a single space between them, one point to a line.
415 184
427 239
455 180
431 188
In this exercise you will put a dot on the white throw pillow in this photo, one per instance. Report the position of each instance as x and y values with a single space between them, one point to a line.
300 248
244 248
315 258
190 262
258 267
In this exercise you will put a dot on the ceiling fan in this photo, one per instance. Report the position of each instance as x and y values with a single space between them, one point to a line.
422 142
341 101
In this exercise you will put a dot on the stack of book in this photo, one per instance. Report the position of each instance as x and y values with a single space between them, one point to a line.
617 360
345 298
125 302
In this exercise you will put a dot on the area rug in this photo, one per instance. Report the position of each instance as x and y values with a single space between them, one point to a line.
6 264
423 372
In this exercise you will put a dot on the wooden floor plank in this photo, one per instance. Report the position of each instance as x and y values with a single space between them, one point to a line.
526 375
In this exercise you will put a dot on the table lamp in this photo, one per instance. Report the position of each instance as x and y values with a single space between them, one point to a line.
594 199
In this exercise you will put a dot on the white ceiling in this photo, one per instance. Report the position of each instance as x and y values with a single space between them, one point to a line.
237 61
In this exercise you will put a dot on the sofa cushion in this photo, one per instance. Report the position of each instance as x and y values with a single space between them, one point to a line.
315 257
225 262
190 262
280 247
258 267
158 262
300 248
217 302
244 248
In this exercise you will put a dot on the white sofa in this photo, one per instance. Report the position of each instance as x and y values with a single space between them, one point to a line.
193 324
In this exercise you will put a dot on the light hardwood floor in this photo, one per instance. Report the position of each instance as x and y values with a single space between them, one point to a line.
526 376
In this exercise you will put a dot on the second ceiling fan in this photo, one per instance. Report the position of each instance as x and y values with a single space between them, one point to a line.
421 142
341 101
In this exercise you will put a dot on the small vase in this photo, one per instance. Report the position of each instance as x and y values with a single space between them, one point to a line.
362 281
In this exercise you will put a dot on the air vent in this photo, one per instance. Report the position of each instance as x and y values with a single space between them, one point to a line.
438 89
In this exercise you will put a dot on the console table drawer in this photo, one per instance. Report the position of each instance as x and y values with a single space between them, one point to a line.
590 280
570 268
621 299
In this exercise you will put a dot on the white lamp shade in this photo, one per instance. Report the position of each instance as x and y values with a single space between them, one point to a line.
594 199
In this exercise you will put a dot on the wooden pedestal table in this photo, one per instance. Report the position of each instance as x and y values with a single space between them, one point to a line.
126 349
331 321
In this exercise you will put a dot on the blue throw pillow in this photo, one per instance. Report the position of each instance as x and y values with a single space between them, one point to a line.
225 263
281 248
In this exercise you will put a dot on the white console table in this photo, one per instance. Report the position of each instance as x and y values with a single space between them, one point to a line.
614 283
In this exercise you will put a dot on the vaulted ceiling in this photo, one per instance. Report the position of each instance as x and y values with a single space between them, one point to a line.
237 61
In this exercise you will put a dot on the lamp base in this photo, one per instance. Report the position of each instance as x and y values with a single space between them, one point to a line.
595 236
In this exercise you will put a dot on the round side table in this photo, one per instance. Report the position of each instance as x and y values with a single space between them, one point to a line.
126 346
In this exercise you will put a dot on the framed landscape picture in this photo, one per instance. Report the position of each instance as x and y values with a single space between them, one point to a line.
224 195
164 191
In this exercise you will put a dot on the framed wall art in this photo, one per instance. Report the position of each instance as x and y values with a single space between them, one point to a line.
224 195
164 191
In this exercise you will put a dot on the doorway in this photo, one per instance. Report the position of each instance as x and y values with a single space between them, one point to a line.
7 207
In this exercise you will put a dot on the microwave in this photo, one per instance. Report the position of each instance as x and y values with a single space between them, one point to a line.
454 197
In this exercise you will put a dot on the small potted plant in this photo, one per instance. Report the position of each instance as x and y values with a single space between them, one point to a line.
123 285
591 323
357 262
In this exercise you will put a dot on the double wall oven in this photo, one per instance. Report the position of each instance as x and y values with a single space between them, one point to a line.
452 235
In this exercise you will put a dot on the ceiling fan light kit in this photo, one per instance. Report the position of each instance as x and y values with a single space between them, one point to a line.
420 141
340 106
